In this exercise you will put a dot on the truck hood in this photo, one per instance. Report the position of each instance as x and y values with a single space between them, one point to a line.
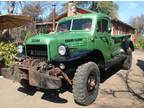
57 37
73 40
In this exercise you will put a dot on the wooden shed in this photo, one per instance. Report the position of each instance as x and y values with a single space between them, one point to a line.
120 27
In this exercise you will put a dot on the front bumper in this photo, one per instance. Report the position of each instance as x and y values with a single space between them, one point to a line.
33 76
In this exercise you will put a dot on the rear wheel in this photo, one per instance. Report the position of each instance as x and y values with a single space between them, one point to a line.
86 83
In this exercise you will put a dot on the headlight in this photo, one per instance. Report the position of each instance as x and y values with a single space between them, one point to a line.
62 66
20 48
62 50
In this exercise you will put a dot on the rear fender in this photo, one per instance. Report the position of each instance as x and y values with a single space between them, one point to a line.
127 44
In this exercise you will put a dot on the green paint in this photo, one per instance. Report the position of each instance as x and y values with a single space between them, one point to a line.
78 40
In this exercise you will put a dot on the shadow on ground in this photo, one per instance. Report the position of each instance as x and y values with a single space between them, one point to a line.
140 63
30 92
53 96
49 95
110 72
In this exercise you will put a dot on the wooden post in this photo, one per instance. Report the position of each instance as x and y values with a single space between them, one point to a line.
53 16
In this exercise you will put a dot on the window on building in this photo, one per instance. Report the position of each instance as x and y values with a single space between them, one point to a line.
102 26
120 30
127 30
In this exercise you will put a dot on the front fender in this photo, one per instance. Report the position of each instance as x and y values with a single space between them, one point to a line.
73 59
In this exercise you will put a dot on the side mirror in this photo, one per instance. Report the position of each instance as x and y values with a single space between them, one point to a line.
109 30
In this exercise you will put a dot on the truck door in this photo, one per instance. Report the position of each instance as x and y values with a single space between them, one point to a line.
104 38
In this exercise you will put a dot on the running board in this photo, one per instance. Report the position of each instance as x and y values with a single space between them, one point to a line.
114 61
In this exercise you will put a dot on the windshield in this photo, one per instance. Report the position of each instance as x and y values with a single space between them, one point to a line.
64 26
82 24
78 24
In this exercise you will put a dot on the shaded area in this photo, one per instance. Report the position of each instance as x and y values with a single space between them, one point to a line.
30 92
49 95
109 73
140 63
2 63
53 96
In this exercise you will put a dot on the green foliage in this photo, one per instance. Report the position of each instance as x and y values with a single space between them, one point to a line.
107 7
139 43
8 51
33 9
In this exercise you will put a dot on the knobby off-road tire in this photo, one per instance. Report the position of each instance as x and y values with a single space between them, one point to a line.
86 83
128 61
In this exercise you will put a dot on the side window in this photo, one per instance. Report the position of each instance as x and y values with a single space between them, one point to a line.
102 26
64 26
99 27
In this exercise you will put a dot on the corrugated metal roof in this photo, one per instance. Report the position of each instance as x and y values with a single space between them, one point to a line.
11 21
119 21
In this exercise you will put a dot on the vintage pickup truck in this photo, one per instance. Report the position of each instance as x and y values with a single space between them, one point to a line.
77 53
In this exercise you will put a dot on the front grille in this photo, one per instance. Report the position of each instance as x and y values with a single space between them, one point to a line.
36 50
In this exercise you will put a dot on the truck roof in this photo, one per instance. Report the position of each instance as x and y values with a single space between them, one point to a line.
89 15
94 14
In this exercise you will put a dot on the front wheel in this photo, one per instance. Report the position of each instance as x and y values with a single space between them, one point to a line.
86 83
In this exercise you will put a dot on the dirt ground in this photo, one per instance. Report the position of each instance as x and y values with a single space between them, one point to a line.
118 89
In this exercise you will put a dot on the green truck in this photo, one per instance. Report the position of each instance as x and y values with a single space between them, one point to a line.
79 51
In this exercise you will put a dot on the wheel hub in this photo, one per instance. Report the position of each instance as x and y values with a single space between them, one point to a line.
91 83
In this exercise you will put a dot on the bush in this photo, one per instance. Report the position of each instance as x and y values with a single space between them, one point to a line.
139 42
8 51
